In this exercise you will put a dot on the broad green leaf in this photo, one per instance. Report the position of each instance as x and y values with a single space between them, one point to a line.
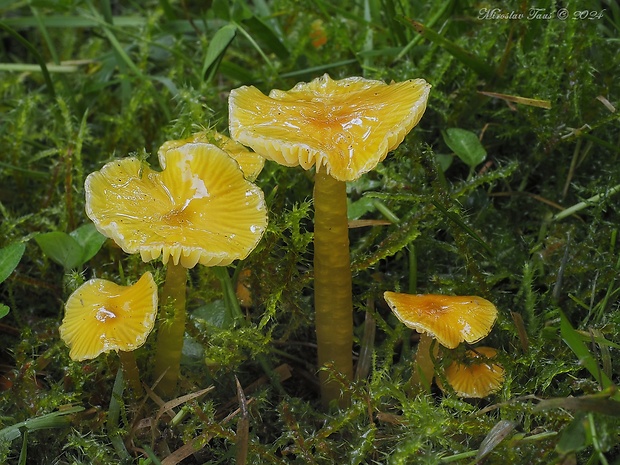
4 310
74 249
444 161
218 45
89 239
465 145
192 350
215 314
61 248
573 437
9 258
360 207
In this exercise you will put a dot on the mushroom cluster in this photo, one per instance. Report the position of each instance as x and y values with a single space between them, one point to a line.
200 209
342 128
451 320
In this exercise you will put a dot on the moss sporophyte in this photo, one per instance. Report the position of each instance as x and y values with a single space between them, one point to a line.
343 128
199 209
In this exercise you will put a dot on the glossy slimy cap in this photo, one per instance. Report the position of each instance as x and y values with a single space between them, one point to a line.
101 316
346 126
449 319
199 209
250 162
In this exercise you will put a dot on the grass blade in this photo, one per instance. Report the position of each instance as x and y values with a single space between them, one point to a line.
36 55
45 35
468 59
267 36
50 420
574 342
114 413
533 102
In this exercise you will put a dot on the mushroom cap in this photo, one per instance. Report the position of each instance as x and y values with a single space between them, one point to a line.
250 163
476 378
449 319
199 209
346 125
101 316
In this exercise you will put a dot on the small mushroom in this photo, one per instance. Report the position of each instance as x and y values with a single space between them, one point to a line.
477 377
343 128
448 319
250 162
101 316
198 209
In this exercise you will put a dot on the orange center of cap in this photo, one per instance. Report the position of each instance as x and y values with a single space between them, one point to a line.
177 217
105 314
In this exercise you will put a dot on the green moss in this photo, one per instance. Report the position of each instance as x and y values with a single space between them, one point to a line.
139 82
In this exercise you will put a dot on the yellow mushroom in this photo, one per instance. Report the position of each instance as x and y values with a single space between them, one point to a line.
250 162
101 316
198 209
477 377
448 319
343 128
346 126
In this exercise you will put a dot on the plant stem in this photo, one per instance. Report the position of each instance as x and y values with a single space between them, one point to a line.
230 298
333 301
586 203
171 330
130 372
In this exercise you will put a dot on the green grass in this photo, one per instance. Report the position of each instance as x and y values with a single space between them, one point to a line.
532 228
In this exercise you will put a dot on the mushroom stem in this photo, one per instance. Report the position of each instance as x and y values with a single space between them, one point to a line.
423 367
130 372
171 330
332 285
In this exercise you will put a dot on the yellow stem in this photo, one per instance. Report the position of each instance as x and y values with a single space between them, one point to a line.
171 330
332 285
130 372
423 368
